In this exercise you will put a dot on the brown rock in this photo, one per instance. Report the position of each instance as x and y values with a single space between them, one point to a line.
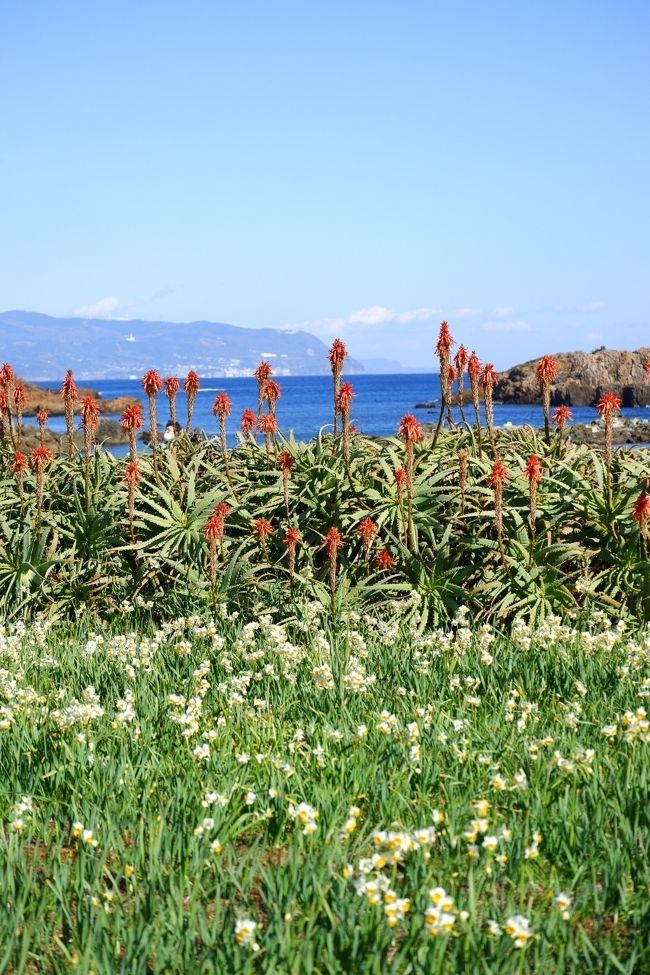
50 400
582 377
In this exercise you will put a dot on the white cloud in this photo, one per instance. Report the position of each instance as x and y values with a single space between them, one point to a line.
467 313
378 315
505 325
104 308
504 311
370 317
594 337
595 305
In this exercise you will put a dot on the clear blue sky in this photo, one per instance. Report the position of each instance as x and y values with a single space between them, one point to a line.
362 168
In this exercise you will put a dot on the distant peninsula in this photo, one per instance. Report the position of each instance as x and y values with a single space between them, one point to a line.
42 347
582 377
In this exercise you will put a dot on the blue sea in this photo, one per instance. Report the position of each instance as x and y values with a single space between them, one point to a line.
305 406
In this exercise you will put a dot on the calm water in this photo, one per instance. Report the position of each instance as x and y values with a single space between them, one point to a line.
306 403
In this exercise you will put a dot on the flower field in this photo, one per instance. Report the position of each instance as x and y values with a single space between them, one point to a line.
292 793
348 706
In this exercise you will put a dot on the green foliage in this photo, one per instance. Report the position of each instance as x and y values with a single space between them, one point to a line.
585 550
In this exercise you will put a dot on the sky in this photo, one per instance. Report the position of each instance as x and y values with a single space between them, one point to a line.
361 168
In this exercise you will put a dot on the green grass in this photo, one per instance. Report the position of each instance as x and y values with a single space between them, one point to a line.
239 723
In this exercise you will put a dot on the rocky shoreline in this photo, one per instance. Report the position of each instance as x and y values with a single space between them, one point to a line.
633 432
581 379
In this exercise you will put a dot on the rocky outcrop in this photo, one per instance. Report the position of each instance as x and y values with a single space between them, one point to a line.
109 433
50 400
582 377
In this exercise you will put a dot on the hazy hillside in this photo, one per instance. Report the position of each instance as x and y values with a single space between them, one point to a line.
42 347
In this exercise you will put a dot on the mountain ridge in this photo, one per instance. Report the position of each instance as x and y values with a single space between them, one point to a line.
41 347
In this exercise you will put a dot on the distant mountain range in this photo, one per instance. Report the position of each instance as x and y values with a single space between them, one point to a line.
41 347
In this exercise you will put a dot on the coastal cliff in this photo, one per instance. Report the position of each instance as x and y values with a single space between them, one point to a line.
582 377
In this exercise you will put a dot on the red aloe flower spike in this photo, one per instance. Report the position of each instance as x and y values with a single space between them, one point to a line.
384 560
333 542
445 341
19 463
222 408
474 370
533 469
409 429
443 351
271 394
263 529
488 379
263 373
367 529
248 421
267 425
461 358
191 387
410 432
498 475
336 356
546 369
7 376
401 477
641 513
463 466
345 397
533 473
496 479
152 383
292 539
172 386
546 373
607 406
561 416
18 467
131 423
70 394
131 477
40 457
20 400
285 463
